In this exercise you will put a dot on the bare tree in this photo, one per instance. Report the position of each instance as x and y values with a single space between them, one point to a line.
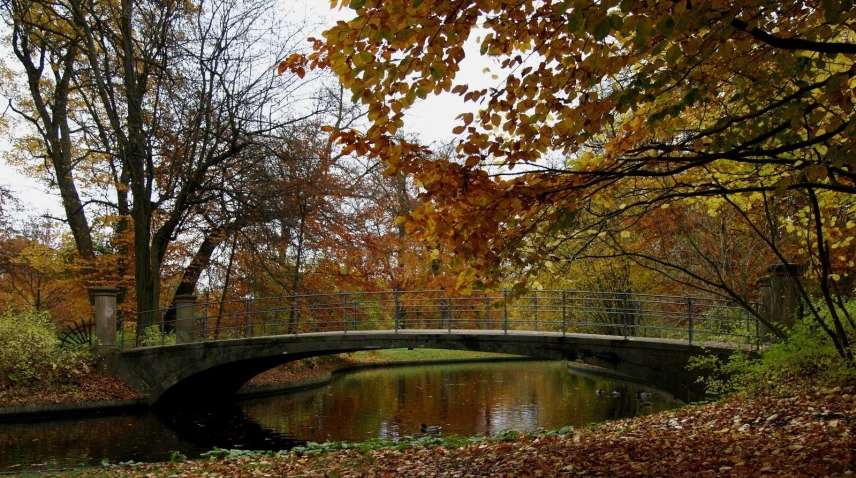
161 99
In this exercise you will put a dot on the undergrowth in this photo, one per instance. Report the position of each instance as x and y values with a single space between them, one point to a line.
807 354
31 354
312 448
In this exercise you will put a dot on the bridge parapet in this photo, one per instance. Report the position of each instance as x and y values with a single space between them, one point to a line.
105 300
691 319
185 318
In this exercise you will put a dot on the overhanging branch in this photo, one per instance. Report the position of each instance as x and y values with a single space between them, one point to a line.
794 43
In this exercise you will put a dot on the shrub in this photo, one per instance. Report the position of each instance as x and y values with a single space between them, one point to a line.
31 353
152 335
806 354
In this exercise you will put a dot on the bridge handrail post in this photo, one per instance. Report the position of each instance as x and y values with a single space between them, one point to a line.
397 306
345 311
249 332
625 312
505 310
441 306
449 312
313 309
205 321
296 314
564 313
585 314
690 319
757 331
487 311
535 308
162 327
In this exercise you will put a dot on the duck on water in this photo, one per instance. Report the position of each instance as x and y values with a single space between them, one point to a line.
432 430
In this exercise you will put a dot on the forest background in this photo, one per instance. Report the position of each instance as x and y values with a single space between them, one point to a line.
647 147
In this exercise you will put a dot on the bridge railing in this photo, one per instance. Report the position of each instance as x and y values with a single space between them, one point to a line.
693 319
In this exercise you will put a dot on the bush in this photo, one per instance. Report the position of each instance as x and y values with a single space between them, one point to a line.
806 354
152 335
31 353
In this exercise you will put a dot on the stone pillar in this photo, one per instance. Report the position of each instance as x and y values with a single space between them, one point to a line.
785 304
766 306
105 299
185 318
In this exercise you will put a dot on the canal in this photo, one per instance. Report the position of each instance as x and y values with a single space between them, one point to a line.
463 399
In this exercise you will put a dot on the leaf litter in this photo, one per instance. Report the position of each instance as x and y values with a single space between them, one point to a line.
807 433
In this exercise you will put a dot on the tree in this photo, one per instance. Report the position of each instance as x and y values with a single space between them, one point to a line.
155 104
32 269
655 102
326 220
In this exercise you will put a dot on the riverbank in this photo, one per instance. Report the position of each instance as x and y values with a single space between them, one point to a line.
322 367
318 371
94 387
803 432
104 392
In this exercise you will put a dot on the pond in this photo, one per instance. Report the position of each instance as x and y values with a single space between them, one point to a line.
463 399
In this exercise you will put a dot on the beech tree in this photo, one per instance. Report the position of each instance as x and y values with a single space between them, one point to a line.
654 102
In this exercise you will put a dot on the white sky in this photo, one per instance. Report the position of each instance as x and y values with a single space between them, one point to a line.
431 119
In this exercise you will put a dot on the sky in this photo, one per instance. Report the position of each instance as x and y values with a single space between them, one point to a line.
431 119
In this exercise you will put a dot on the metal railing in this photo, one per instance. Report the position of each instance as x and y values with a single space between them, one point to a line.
692 319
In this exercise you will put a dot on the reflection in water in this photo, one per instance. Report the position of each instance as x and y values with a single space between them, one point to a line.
464 399
223 426
86 441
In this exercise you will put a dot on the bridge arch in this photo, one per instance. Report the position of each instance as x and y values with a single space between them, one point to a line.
212 371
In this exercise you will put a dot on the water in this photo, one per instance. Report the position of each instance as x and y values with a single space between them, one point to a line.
465 399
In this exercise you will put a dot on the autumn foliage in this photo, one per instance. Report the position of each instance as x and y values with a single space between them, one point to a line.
667 146
607 121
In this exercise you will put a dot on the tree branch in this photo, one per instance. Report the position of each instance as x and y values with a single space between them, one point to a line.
794 43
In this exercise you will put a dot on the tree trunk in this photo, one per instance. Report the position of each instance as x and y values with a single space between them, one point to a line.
52 122
193 270
225 289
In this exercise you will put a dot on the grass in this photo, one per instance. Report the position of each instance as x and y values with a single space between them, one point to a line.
316 367
406 355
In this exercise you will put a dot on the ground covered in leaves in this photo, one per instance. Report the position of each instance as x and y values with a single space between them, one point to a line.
805 432
92 386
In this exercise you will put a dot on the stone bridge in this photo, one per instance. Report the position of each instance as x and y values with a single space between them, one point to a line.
195 356
208 371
